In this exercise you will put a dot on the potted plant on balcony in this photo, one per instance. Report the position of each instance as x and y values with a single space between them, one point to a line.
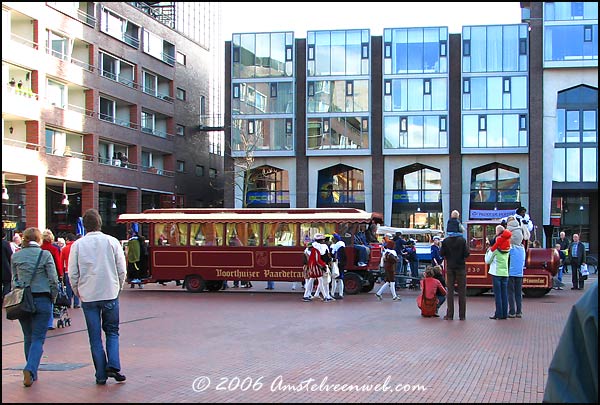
12 82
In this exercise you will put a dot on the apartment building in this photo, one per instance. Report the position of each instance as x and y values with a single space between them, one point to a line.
109 105
418 122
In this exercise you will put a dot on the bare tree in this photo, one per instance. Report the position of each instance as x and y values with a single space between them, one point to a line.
242 166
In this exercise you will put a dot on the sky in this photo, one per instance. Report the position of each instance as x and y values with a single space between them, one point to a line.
240 17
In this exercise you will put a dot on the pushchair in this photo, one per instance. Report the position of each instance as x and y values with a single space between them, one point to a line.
61 307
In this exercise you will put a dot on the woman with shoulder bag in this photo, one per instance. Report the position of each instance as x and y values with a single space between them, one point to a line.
43 281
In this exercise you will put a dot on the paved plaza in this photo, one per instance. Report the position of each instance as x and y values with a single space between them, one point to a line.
253 345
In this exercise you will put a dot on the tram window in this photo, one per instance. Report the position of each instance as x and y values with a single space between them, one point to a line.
309 230
476 237
171 234
284 234
242 234
490 231
209 234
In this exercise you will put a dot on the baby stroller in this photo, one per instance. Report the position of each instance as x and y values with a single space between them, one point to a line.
61 307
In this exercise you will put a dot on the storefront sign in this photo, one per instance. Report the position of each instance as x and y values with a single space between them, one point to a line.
490 214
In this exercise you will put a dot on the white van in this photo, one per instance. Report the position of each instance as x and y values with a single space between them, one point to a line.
422 237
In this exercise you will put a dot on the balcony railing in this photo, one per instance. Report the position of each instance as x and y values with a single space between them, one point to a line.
160 172
156 132
24 92
20 144
67 58
23 41
119 79
117 121
117 163
80 110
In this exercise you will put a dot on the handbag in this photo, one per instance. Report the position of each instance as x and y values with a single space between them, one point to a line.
335 270
583 270
62 299
19 302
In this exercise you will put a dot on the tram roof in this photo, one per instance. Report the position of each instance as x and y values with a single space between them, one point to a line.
251 215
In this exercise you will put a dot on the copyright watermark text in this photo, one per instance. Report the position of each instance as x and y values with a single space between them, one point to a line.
278 384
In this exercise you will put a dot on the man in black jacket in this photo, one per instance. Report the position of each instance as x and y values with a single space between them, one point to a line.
455 250
577 255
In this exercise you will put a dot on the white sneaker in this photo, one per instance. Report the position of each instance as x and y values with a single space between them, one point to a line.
378 297
396 298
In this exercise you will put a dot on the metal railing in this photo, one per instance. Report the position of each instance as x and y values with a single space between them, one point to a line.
157 171
23 41
21 144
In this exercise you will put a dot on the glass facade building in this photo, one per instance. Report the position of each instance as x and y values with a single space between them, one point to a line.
418 122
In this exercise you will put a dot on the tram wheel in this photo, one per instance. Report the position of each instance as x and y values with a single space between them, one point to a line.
194 283
352 283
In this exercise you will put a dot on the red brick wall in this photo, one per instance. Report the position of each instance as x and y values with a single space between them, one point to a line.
89 196
32 132
134 201
31 190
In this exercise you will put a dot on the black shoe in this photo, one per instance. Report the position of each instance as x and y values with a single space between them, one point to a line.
494 317
116 375
101 382
76 306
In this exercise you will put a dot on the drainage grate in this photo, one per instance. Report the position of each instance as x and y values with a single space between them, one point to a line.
54 366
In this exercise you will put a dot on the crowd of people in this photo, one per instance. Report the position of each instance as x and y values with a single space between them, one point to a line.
92 269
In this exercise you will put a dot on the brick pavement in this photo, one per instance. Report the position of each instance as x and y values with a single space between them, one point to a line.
271 339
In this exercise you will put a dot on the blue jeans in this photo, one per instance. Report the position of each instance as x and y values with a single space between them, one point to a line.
34 333
515 294
103 315
501 296
51 319
441 300
362 253
560 274
270 284
72 297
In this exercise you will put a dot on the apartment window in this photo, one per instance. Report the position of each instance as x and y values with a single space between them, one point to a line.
212 173
236 90
349 87
587 33
57 45
116 69
181 94
107 109
427 86
56 94
120 28
181 58
273 90
150 84
199 171
148 122
467 47
180 130
159 48
180 166
61 143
